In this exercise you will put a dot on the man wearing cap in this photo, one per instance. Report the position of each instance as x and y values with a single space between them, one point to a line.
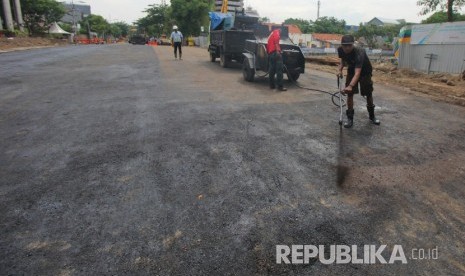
176 41
275 59
359 71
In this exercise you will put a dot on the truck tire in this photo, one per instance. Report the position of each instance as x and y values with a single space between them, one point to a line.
293 76
247 71
212 57
224 61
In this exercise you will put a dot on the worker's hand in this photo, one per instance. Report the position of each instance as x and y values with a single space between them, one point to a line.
347 90
340 74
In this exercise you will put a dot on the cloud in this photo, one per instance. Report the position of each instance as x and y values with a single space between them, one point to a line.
353 12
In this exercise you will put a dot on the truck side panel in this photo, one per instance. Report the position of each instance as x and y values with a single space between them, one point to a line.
231 41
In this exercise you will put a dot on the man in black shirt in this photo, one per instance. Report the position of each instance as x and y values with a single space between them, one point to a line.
359 71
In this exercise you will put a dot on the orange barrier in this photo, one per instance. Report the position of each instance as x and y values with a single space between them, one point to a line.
152 43
90 41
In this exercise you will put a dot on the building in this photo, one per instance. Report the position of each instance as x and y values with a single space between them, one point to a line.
327 40
303 40
379 21
437 48
75 12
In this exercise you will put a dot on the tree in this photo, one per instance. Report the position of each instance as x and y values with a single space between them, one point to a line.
39 14
441 17
189 15
119 29
328 25
370 32
96 23
264 19
66 26
157 20
450 6
304 25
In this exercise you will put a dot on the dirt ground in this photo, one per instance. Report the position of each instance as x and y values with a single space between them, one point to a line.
22 43
442 87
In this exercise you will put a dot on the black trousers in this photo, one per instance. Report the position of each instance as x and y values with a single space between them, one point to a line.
176 46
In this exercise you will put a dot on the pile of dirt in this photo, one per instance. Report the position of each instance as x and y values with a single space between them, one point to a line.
324 60
15 43
443 87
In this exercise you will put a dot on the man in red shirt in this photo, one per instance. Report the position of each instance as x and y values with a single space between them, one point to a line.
275 59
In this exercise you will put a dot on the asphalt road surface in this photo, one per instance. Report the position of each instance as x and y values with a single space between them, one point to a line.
120 160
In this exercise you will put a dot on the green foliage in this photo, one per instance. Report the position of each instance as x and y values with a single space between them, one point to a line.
39 14
451 6
370 32
119 29
189 15
157 20
329 25
441 17
65 26
96 23
14 33
304 25
326 25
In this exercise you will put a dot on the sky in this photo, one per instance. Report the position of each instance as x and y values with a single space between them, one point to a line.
353 12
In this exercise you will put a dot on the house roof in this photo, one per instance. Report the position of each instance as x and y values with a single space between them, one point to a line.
327 37
294 29
386 20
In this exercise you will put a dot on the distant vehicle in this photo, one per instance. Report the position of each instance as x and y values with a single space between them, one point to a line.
163 40
138 39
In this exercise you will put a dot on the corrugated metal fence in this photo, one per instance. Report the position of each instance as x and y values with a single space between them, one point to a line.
446 58
433 47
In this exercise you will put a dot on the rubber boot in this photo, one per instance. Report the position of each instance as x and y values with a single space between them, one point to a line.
371 113
350 118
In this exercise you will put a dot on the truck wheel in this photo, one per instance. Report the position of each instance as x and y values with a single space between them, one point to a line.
293 76
223 60
212 57
247 71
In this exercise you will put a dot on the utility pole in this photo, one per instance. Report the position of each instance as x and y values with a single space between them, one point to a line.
318 12
74 20
19 15
8 15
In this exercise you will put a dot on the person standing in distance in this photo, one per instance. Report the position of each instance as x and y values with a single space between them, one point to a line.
359 70
176 41
275 59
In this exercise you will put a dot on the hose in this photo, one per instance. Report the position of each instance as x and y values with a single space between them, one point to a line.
334 96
